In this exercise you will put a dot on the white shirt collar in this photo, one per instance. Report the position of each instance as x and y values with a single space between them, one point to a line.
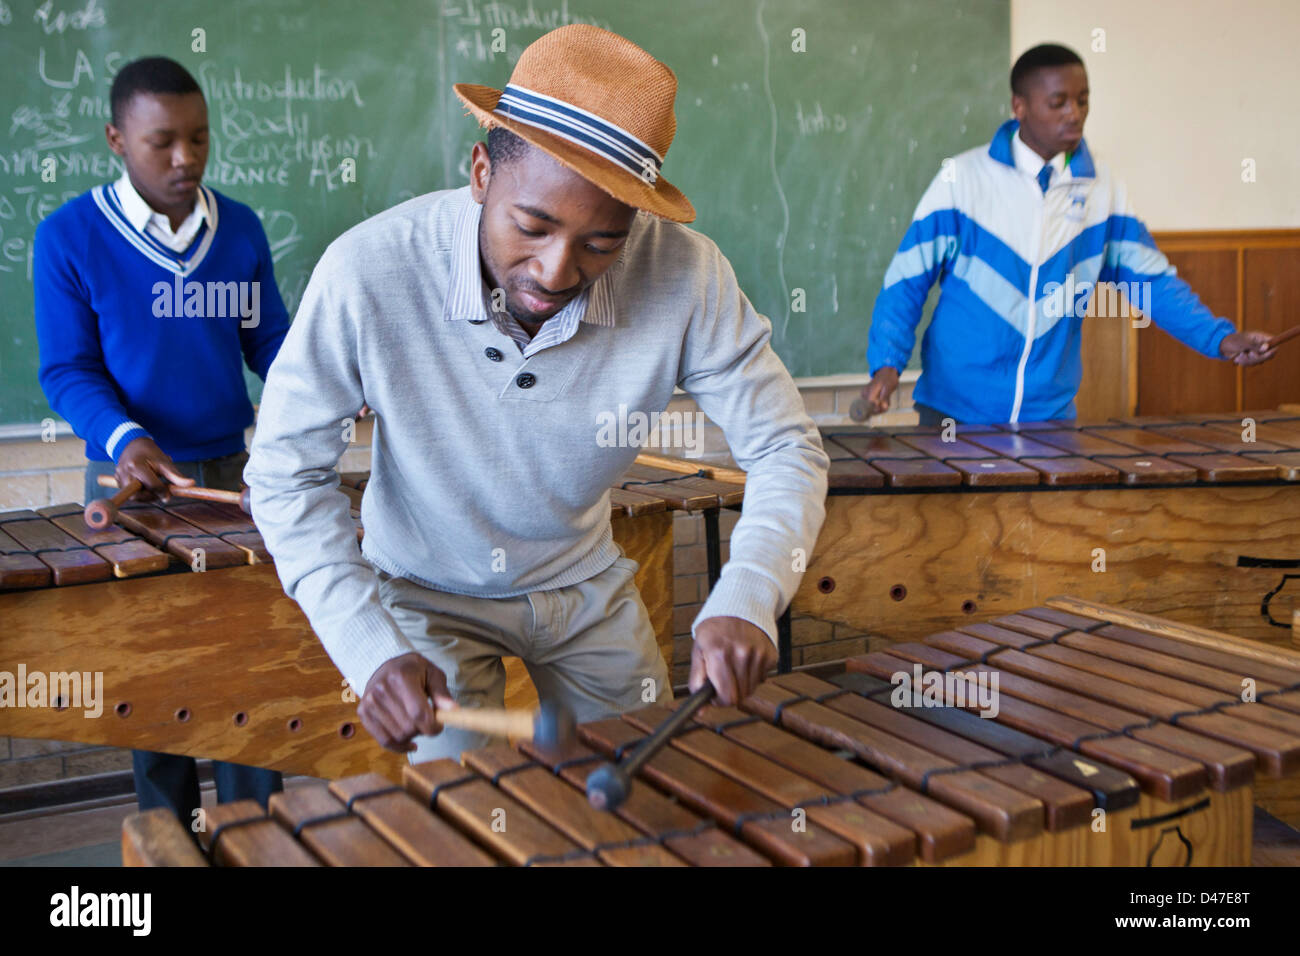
144 218
1028 161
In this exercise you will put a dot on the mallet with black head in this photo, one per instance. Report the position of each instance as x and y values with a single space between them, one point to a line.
610 783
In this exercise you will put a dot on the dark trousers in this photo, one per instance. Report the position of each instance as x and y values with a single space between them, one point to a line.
931 417
171 780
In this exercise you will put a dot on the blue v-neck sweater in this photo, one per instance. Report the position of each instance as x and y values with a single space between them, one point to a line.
138 340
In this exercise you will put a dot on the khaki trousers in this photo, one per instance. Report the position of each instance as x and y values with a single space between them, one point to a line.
589 647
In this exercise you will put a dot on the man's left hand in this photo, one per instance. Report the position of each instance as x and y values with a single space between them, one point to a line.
733 654
1246 348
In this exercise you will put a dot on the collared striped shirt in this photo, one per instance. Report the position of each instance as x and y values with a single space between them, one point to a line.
143 217
1030 163
468 296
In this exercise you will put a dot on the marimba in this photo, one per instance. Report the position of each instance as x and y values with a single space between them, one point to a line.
1195 516
222 664
54 547
1118 739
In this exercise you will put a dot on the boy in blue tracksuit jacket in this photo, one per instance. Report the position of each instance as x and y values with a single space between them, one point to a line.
152 293
1031 211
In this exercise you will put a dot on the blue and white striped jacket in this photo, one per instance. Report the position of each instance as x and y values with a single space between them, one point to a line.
989 234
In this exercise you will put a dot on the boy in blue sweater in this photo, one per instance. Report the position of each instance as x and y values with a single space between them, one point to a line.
1018 234
151 294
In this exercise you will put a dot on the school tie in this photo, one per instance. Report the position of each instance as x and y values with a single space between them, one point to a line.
1045 176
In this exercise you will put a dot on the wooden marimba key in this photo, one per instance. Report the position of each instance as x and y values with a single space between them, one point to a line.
1192 449
54 546
1119 739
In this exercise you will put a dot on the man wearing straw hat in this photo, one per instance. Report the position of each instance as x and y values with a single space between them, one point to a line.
491 328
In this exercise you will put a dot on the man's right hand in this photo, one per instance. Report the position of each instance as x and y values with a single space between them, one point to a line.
1246 348
143 461
395 706
876 393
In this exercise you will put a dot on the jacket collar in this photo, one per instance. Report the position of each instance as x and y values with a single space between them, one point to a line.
1079 163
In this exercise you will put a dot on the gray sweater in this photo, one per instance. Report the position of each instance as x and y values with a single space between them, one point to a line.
480 485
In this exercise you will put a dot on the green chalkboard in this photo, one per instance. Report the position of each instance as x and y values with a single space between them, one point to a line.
806 131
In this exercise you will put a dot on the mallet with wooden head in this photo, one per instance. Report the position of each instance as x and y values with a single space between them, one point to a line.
1286 336
196 492
549 727
99 514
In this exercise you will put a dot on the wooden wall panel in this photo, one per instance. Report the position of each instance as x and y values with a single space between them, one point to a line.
1171 377
1252 276
1271 287
1106 389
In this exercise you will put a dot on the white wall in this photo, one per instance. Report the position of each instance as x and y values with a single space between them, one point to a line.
1185 90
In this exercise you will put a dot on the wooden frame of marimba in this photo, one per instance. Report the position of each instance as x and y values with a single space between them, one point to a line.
221 664
1131 744
1174 516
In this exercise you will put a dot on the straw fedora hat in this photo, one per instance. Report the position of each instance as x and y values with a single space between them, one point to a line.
597 103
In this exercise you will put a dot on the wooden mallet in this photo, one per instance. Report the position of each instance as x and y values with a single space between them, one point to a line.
1281 337
549 727
99 514
610 783
239 498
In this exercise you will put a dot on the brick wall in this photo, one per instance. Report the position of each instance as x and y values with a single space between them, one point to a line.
814 641
35 473
25 762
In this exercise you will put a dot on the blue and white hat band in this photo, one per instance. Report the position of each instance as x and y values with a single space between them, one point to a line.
581 128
